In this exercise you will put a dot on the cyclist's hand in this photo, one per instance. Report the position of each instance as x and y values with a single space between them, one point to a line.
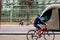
46 24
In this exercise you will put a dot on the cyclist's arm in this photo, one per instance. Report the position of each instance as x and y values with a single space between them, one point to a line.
42 22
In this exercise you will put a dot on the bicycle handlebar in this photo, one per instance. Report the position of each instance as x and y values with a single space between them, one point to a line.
45 26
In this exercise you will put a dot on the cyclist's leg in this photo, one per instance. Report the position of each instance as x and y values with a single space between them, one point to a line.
37 27
38 32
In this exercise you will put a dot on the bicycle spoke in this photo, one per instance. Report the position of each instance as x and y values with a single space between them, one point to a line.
49 35
31 36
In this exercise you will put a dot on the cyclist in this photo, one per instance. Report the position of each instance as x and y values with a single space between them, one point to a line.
21 22
36 22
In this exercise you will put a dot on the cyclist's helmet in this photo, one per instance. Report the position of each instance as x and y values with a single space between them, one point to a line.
38 15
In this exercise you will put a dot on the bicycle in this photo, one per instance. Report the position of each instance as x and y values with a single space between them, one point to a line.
46 34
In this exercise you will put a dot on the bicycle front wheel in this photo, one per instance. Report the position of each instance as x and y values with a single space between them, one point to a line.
49 35
31 35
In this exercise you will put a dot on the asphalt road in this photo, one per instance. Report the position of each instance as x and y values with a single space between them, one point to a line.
16 28
19 29
23 37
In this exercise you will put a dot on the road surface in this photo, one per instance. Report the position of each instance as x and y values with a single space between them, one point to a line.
19 29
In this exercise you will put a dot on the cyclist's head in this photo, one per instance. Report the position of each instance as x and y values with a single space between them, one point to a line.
38 15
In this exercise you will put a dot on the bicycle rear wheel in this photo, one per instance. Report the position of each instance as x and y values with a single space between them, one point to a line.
31 35
49 35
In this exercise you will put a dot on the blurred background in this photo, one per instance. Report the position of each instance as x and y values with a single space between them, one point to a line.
12 11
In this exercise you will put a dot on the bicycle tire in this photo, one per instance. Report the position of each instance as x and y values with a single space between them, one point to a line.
49 34
30 35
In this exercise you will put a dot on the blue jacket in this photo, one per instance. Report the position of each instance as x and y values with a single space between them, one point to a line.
38 21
